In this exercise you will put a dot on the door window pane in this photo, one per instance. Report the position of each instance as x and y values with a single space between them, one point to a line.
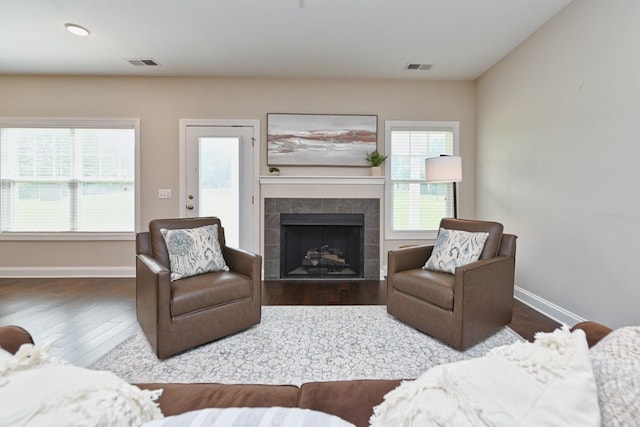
219 181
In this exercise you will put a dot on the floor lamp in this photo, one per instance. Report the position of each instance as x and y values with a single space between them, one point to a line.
444 169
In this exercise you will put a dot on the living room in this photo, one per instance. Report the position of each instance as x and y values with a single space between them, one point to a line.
546 135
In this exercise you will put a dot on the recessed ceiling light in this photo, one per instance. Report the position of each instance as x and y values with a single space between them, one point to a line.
76 29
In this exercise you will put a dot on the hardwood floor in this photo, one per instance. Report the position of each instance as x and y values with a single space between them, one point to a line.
86 318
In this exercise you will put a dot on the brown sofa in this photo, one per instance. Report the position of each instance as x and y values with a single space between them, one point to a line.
351 400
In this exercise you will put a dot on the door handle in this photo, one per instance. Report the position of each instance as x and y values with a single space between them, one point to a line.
190 207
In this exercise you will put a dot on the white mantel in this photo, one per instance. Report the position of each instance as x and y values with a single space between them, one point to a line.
322 186
321 180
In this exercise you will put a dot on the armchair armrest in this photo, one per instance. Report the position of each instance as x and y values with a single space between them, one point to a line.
12 337
152 265
407 258
153 296
243 262
488 274
484 291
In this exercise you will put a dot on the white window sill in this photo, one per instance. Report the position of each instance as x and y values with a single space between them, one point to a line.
62 236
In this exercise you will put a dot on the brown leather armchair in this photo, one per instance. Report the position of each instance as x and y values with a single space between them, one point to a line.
458 309
179 315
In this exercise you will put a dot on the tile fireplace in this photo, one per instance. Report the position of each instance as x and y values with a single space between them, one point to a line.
321 238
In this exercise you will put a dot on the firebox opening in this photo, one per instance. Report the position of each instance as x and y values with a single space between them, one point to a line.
322 245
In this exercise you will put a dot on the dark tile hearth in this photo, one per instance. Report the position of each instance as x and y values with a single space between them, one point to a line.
273 207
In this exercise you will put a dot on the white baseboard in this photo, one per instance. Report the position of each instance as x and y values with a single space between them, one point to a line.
57 272
547 308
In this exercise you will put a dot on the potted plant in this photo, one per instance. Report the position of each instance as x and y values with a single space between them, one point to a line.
274 171
376 159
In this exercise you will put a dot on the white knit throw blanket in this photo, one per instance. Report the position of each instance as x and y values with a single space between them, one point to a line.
546 383
40 390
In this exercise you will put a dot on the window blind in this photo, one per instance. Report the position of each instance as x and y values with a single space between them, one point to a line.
415 204
67 179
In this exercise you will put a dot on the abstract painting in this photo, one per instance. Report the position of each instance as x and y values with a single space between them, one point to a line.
320 139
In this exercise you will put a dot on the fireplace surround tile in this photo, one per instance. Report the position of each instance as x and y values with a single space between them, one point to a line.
273 207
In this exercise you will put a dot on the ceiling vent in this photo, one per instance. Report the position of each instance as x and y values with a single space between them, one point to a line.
415 66
143 62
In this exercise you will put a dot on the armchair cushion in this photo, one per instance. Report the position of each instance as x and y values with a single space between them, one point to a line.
433 286
455 248
202 292
193 251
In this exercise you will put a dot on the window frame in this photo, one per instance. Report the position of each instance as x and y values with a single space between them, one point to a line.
418 125
114 123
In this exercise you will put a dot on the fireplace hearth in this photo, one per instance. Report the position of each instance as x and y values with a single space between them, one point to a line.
321 245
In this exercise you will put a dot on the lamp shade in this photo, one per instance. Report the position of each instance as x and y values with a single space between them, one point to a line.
443 169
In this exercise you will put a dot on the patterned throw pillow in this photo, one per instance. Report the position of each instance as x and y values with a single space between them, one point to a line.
454 248
194 251
616 366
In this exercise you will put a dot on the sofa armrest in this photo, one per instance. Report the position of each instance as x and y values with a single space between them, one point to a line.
595 331
407 258
12 337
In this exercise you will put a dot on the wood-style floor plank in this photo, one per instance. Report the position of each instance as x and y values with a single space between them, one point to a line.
86 318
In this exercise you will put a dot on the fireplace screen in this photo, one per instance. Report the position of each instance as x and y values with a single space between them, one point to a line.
321 245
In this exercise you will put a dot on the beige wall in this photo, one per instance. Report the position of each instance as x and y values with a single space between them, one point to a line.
160 102
558 158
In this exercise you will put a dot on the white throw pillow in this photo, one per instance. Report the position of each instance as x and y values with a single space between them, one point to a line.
546 383
194 251
455 248
39 390
252 417
616 366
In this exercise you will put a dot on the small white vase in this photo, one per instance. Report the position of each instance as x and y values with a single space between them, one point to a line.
376 170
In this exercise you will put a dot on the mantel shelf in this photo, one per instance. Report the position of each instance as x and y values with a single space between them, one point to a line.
322 180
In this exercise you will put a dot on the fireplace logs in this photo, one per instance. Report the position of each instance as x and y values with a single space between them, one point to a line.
323 260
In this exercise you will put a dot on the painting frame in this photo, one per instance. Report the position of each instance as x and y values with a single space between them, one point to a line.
320 139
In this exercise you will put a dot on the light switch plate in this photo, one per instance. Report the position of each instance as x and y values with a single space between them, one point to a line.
164 194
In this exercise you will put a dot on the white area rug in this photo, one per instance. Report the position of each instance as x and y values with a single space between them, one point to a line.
297 344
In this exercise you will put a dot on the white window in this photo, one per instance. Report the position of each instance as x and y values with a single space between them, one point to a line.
414 208
68 178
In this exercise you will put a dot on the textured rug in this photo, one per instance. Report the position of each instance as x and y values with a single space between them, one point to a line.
297 344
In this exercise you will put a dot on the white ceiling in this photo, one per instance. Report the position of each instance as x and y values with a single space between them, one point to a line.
267 38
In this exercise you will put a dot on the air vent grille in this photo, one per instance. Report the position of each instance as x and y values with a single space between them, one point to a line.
147 62
416 66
